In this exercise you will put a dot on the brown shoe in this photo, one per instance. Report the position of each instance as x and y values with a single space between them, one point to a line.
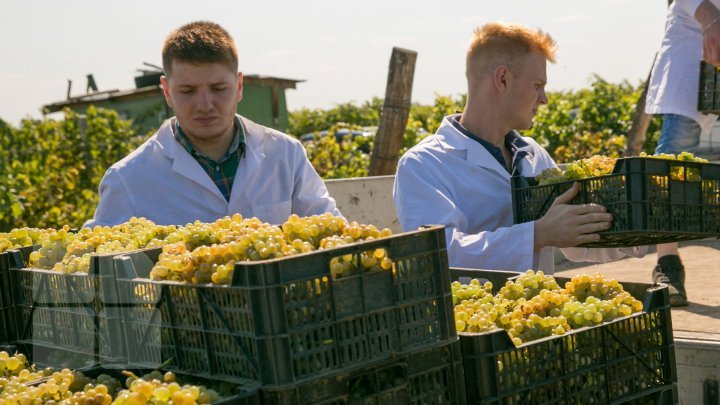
670 271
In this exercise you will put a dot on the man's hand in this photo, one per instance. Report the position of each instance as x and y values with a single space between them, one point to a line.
566 225
708 16
711 44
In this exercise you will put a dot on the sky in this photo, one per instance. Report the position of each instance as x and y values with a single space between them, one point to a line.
340 49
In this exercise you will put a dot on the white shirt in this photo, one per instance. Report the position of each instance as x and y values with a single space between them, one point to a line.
452 180
162 182
674 82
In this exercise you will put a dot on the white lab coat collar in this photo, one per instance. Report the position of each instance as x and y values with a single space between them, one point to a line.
186 165
253 156
450 137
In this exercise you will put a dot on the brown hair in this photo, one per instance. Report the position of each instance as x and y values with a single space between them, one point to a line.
200 42
503 43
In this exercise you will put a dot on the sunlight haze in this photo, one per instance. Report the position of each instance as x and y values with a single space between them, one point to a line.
340 49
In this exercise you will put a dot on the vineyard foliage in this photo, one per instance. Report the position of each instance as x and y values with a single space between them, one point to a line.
51 169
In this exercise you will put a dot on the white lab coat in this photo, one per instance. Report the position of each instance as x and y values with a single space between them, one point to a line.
673 87
452 180
162 182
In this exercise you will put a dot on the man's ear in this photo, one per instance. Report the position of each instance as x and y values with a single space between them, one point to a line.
240 87
165 82
501 75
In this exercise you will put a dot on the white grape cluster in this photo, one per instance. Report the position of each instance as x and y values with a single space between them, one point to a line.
599 165
533 305
162 389
23 384
201 253
20 237
593 166
70 252
678 172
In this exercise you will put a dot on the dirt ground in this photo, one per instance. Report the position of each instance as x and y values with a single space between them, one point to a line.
701 319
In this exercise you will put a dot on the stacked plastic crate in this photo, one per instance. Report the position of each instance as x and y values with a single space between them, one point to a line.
300 333
631 359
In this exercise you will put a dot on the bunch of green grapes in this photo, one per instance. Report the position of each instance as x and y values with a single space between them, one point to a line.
527 285
474 307
52 248
194 235
56 389
14 365
546 303
349 264
362 232
159 389
223 230
594 311
534 306
473 291
678 172
312 229
535 327
20 237
682 156
135 234
550 175
265 243
593 166
583 286
251 241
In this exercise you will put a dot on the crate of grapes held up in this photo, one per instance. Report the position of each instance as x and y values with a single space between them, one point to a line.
708 89
652 200
287 320
631 358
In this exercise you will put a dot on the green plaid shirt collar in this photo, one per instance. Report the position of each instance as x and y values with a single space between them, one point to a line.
222 172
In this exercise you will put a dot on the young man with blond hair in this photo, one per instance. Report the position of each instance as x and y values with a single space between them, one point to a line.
207 162
460 176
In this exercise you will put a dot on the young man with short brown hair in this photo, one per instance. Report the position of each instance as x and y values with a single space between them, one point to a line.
207 162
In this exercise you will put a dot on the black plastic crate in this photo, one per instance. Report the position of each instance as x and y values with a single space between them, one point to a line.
631 359
8 335
708 89
74 313
432 376
6 286
647 197
284 321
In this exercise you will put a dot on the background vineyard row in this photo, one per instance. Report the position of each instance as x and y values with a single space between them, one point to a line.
51 168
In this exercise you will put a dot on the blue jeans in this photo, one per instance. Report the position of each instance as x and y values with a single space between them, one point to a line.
678 134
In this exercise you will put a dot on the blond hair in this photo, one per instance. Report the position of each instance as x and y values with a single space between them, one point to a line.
200 42
499 43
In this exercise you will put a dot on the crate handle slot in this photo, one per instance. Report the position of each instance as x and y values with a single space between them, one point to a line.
650 368
216 310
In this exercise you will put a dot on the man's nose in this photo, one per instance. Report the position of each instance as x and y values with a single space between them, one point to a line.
205 100
543 98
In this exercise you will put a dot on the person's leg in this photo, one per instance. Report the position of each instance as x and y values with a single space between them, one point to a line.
678 134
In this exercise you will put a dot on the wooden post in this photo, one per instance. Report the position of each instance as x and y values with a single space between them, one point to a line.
395 113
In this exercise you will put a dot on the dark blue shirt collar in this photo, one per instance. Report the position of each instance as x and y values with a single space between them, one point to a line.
513 141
